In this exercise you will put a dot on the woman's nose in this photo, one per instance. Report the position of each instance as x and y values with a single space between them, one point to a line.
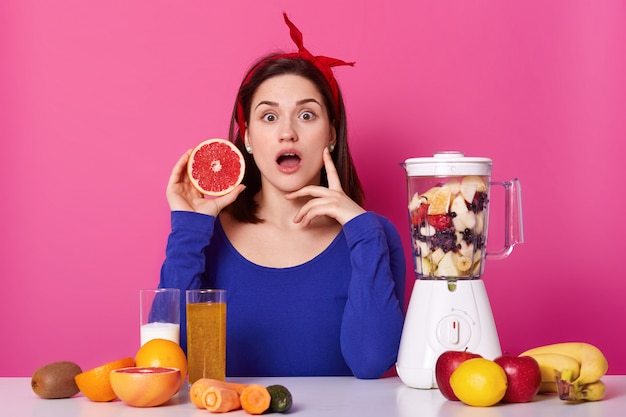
287 131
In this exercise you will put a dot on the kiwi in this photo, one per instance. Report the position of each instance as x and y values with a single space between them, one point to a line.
56 380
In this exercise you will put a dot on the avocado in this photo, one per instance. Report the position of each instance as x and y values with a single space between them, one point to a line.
55 380
281 398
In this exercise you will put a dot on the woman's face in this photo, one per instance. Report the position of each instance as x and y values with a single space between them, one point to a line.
288 131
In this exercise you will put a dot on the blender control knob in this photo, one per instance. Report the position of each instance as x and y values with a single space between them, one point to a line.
453 332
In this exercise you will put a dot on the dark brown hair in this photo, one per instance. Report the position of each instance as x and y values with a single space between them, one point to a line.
244 208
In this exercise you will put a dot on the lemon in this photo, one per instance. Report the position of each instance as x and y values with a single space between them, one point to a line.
479 382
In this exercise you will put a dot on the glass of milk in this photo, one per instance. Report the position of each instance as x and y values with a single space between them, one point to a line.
159 314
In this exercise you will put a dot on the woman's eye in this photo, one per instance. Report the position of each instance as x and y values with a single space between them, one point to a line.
307 115
269 117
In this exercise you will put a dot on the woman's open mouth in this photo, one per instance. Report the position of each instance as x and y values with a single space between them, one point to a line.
288 161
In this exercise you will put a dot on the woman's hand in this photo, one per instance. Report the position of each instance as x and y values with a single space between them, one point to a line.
183 196
331 201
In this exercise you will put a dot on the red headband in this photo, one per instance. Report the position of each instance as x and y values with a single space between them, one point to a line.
323 63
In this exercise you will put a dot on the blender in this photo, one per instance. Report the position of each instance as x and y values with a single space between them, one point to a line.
448 215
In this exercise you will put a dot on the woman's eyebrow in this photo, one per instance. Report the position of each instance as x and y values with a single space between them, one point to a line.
308 100
299 102
268 103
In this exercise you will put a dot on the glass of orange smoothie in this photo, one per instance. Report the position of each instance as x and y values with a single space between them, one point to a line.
206 334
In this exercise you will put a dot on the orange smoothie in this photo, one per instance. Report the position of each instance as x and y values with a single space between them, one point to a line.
206 341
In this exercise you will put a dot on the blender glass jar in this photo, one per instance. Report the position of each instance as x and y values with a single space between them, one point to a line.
448 214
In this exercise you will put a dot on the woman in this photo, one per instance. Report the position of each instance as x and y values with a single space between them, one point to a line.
315 284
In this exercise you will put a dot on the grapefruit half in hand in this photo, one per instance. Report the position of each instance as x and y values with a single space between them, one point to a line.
215 167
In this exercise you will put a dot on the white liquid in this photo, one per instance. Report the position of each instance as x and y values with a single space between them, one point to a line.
159 330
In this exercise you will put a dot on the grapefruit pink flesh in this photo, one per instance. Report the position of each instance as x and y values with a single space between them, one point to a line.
215 167
145 386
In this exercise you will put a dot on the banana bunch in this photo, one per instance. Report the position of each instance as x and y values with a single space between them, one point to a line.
571 369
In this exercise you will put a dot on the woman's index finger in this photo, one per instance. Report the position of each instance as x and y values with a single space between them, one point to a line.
331 172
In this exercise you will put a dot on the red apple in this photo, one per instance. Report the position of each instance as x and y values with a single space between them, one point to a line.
523 376
447 362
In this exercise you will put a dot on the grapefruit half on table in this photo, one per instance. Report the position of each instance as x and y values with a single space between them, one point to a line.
215 167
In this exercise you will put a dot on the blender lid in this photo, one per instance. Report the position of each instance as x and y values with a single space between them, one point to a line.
448 163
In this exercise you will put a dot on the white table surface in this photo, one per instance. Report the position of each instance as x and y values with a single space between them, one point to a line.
320 396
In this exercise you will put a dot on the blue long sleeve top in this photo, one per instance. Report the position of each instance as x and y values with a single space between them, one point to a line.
341 313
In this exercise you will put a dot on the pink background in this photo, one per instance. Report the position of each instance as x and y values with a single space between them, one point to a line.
99 98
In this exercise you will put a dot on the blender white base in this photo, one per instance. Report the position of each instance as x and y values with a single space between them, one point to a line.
438 320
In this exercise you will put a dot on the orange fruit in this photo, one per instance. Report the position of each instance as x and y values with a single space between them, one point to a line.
440 201
428 195
479 382
145 387
95 383
215 167
165 354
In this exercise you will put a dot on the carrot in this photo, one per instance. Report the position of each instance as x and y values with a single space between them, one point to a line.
255 399
220 400
197 389
237 387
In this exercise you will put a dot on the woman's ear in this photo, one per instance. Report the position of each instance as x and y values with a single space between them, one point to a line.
332 141
246 140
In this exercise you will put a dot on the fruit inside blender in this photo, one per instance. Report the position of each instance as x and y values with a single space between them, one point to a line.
448 219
